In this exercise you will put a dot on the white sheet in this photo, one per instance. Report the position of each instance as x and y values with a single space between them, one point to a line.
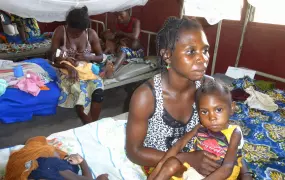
55 10
102 145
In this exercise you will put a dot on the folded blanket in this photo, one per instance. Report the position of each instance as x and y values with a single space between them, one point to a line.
7 70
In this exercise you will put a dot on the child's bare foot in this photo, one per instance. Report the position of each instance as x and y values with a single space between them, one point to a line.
109 71
102 177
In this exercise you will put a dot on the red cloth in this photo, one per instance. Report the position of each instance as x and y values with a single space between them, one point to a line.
126 28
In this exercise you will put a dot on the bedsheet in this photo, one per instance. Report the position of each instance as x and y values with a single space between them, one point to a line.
101 143
20 106
264 134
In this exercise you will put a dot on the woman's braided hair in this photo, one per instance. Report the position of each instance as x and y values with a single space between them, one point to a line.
168 34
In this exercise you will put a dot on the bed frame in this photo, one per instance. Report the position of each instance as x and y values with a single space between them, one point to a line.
138 78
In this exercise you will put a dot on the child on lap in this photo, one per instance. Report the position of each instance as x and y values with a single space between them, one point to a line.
214 136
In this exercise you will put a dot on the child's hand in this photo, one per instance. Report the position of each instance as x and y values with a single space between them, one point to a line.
72 61
102 177
72 74
75 159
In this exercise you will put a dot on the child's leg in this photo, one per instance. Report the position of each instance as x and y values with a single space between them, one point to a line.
171 167
121 57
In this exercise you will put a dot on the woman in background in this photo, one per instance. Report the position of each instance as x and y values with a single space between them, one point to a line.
79 43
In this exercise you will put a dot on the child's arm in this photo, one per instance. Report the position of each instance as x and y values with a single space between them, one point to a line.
174 150
227 167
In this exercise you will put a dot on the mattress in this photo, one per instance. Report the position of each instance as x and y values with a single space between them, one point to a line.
20 106
101 143
136 70
38 52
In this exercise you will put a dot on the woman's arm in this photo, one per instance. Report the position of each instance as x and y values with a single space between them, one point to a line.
245 174
136 31
231 156
96 47
141 108
55 44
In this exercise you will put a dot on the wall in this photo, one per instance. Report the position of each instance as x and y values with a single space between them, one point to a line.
263 43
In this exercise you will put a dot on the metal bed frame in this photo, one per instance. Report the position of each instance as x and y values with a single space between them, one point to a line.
132 79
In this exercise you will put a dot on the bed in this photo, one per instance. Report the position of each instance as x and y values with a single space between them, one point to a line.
20 106
264 148
18 52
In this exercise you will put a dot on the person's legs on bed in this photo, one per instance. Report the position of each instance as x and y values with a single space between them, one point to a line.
119 61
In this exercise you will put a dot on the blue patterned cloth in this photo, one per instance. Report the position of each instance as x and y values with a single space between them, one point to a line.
132 53
264 134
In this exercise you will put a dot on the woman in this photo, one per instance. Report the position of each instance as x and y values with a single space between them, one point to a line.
39 160
128 31
80 43
166 116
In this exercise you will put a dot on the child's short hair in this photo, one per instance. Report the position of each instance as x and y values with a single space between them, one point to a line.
212 87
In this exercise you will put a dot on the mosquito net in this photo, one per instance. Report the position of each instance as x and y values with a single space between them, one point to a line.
55 10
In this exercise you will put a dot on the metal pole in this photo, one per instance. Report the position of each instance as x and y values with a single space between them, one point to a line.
247 17
148 42
182 9
216 47
106 20
269 76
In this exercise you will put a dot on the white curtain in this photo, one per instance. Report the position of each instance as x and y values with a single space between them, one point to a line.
214 10
55 10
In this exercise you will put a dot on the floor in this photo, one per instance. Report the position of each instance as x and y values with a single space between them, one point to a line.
14 134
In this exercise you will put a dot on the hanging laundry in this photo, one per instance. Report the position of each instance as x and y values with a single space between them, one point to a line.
258 100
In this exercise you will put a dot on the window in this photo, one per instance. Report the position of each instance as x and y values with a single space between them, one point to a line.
270 12
214 9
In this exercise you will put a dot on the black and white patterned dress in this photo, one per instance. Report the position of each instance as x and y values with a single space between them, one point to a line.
163 130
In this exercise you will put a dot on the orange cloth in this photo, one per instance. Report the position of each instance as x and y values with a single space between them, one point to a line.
83 69
3 38
34 148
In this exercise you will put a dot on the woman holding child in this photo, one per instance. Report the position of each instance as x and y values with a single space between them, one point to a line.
163 109
79 46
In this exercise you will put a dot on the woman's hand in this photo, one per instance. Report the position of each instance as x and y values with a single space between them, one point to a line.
84 57
75 159
202 161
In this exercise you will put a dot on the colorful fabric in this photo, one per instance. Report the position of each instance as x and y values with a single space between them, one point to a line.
217 143
31 28
77 93
19 48
132 53
264 134
83 69
7 70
